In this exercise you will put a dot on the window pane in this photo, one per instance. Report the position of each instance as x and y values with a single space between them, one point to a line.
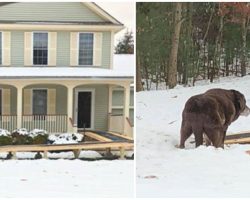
86 48
0 102
39 102
40 49
0 48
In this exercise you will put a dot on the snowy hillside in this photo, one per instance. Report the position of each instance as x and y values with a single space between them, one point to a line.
165 171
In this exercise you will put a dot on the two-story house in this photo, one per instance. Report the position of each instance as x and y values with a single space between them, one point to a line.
58 71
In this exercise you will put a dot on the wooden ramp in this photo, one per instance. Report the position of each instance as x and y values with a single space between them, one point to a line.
105 140
105 136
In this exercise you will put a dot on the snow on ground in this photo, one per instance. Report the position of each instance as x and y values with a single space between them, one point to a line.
66 178
165 171
65 138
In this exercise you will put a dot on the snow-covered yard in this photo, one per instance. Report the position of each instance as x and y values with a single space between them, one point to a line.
66 178
166 171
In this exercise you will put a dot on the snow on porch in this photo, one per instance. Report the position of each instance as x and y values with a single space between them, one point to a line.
123 67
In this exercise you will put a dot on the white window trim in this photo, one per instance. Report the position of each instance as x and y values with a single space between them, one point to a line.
1 90
2 46
78 43
92 90
32 48
32 98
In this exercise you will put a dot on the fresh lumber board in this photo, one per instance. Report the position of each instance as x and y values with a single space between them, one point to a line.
238 141
120 135
97 137
109 135
79 146
240 138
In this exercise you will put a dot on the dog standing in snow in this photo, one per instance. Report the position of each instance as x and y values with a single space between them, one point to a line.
210 114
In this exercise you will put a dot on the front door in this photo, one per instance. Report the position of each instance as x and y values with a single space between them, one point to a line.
84 100
39 102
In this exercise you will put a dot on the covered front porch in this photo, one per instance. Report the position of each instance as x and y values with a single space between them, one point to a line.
63 105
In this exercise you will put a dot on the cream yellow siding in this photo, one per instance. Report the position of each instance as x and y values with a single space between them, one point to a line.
73 49
51 107
6 48
6 101
52 48
27 105
28 49
97 58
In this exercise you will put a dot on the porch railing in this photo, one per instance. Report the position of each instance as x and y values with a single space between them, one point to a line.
8 122
50 123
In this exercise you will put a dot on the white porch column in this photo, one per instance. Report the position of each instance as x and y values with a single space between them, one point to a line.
70 109
19 106
110 98
110 104
126 103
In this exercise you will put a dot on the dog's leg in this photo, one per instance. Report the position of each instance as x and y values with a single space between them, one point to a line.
207 140
225 132
186 132
216 136
198 137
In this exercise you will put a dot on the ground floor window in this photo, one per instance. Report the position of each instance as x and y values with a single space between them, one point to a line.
0 102
39 102
0 48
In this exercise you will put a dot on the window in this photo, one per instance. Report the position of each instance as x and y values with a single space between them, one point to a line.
40 48
86 48
0 48
39 102
0 102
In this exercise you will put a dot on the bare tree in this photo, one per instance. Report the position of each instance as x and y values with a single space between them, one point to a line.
172 68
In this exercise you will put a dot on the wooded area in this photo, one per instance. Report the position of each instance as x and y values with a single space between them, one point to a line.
180 43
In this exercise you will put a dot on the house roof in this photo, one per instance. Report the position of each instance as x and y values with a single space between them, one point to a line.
123 69
108 19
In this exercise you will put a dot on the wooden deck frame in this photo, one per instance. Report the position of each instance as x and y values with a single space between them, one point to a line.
97 137
76 148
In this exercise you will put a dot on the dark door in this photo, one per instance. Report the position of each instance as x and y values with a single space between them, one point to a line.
39 102
84 110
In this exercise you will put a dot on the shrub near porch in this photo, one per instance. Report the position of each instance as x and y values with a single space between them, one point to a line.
5 137
22 136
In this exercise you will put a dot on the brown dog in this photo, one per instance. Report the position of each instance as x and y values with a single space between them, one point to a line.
211 113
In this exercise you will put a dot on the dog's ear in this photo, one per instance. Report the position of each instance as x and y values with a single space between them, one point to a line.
239 100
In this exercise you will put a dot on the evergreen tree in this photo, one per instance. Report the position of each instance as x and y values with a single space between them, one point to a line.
126 44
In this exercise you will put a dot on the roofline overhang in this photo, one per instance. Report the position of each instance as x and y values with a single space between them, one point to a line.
60 27
118 78
101 12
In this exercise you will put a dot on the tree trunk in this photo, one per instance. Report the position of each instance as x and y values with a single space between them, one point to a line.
189 43
217 52
138 75
244 44
172 68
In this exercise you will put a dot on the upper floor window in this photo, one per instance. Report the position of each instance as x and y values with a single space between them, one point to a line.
86 48
40 48
0 48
